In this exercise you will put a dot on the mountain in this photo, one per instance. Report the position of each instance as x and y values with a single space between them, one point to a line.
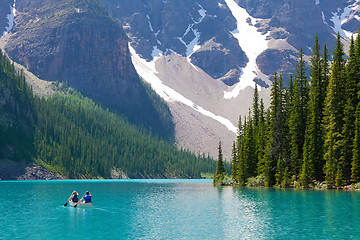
202 57
77 42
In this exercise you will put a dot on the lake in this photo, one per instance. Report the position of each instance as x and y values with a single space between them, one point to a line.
174 209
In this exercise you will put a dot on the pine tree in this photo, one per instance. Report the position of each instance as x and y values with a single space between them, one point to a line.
313 145
325 70
279 171
243 155
240 155
234 164
256 113
334 118
220 169
261 137
348 131
298 116
276 122
250 149
355 164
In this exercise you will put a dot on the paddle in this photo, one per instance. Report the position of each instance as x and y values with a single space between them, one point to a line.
79 201
67 202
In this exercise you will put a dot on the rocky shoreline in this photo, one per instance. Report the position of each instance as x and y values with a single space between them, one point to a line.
11 170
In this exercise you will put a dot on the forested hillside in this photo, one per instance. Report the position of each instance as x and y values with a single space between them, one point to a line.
309 136
69 134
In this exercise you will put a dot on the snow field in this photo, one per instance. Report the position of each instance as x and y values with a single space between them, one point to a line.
10 18
252 42
147 71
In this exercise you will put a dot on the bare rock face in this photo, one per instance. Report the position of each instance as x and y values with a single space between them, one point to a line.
117 173
85 49
4 11
220 62
173 26
272 60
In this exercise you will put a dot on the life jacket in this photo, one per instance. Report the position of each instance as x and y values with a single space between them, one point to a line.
75 198
87 198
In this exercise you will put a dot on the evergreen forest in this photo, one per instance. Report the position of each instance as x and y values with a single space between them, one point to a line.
309 136
69 134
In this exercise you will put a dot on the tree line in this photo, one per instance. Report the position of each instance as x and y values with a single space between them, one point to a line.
69 134
310 134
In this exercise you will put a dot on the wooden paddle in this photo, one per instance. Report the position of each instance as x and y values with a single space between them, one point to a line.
79 201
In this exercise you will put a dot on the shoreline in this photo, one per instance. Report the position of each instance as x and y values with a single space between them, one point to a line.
323 187
12 170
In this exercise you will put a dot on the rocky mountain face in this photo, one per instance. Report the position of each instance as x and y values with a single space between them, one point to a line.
202 30
78 43
179 27
236 43
202 57
5 12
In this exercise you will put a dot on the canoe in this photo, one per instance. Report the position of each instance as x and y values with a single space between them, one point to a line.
81 205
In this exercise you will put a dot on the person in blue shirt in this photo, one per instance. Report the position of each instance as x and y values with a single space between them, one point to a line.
87 197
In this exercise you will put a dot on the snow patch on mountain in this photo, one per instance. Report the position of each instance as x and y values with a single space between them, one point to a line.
193 46
323 18
340 17
152 29
147 71
10 18
253 44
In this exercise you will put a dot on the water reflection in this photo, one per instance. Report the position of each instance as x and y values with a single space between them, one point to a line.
80 216
239 210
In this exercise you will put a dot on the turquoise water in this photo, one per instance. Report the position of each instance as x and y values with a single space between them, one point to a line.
174 209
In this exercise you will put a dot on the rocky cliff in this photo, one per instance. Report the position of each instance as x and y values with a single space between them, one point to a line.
78 43
5 10
182 27
235 43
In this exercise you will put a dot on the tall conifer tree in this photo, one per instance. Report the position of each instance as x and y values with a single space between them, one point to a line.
348 131
242 152
277 121
261 137
334 118
239 149
256 114
325 72
355 164
220 169
298 116
234 164
313 155
250 149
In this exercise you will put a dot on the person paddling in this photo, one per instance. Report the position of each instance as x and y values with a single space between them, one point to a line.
87 197
73 198
87 202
